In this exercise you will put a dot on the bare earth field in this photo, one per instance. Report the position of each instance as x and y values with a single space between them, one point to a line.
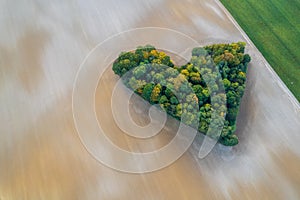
42 45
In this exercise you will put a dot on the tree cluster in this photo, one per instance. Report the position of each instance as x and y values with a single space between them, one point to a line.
205 93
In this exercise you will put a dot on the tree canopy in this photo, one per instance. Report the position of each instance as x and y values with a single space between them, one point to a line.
200 93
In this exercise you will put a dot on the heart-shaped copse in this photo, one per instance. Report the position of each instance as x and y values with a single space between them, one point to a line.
202 93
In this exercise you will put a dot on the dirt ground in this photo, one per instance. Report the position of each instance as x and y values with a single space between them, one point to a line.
43 43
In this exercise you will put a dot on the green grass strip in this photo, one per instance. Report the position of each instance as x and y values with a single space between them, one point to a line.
274 27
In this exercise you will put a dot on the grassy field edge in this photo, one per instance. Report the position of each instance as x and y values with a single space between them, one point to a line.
274 30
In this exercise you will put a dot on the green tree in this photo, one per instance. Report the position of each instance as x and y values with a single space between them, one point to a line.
139 71
146 94
174 100
199 51
229 140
